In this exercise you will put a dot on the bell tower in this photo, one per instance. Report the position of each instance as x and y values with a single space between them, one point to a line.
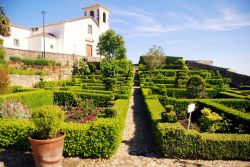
100 14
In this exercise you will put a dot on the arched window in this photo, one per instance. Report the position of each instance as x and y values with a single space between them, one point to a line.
92 13
104 17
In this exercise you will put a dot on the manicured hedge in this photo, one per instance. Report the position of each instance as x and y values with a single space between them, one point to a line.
238 104
179 92
176 142
215 81
231 95
68 98
32 99
163 81
98 139
236 115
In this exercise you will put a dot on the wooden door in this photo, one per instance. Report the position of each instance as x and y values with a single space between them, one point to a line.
89 51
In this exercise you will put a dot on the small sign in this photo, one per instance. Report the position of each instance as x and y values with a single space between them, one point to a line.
190 108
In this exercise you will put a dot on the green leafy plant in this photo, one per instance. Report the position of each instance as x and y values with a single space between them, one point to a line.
209 120
14 109
48 121
169 117
110 112
196 87
111 46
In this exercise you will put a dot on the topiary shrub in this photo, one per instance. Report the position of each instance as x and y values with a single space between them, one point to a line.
196 87
4 82
48 120
110 112
169 117
169 108
109 83
14 109
209 120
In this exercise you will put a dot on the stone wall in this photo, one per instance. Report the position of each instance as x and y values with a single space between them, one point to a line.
237 79
29 81
58 57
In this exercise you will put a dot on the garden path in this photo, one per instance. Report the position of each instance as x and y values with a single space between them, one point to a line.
136 150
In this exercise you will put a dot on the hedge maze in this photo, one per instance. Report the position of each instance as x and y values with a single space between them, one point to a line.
223 133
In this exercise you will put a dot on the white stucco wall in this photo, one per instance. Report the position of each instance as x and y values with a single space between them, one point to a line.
76 34
17 33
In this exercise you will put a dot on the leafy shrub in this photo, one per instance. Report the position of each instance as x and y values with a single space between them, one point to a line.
15 59
14 109
110 112
48 121
209 120
32 99
196 87
109 83
169 108
65 98
169 117
4 81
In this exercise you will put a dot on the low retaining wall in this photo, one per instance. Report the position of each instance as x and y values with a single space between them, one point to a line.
58 57
29 81
237 79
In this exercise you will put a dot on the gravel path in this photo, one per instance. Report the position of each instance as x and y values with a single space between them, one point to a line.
136 150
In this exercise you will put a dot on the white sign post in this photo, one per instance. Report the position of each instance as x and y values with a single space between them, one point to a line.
190 109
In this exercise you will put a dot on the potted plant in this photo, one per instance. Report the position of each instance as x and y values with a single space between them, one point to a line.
47 141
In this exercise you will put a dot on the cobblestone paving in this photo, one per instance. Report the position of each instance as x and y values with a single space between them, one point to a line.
136 149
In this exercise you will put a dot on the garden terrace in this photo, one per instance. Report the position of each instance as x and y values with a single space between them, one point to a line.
229 138
95 116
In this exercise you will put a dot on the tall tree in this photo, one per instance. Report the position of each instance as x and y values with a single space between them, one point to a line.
154 58
111 45
4 23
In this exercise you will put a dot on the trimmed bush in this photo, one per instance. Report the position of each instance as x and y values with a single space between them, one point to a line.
99 139
169 117
32 99
176 142
48 120
65 98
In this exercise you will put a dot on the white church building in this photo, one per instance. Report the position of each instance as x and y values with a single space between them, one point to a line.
77 36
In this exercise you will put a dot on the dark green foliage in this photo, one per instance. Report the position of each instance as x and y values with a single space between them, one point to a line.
110 112
166 73
196 87
169 117
238 104
15 59
163 81
171 60
48 120
2 55
215 81
109 83
181 79
67 98
169 108
32 99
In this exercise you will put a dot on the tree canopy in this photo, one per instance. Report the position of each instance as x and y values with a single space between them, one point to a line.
4 23
111 45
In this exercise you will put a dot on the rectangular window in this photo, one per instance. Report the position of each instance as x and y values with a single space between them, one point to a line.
16 42
90 29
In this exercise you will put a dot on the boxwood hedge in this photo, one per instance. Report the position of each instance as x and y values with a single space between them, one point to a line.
176 142
98 139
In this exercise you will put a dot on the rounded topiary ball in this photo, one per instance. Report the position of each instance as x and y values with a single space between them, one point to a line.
169 108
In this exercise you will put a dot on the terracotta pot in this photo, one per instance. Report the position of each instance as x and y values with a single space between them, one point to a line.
48 153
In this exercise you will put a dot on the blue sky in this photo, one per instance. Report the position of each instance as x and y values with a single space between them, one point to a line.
217 30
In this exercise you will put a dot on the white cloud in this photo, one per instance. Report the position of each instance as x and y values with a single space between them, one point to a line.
139 22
